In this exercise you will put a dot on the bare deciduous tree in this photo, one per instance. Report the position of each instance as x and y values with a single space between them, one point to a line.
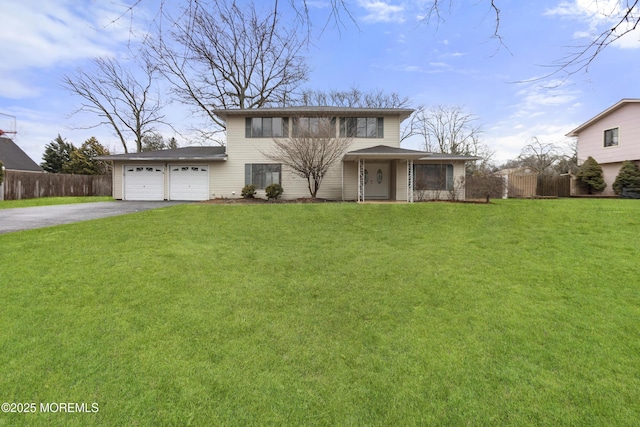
311 150
353 97
221 56
122 100
445 129
539 156
617 19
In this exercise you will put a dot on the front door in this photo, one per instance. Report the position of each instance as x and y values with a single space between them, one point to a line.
377 181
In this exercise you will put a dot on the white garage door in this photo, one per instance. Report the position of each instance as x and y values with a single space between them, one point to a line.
144 182
188 182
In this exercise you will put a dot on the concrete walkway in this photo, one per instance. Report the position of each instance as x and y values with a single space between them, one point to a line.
17 219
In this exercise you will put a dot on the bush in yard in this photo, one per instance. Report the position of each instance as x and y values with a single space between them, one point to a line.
590 176
273 191
248 191
628 179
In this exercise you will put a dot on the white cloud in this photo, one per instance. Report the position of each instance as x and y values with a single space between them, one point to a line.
540 110
536 99
48 34
600 16
13 88
380 11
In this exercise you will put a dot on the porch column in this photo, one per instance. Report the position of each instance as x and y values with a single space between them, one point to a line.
410 180
361 180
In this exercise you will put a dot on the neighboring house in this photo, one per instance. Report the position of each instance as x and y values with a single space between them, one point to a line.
374 168
13 158
611 137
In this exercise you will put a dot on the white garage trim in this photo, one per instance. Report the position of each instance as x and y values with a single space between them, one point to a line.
143 182
189 182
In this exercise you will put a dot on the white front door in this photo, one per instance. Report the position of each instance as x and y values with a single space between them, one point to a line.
377 180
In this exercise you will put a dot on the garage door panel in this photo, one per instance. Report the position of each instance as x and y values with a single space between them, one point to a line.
189 182
144 182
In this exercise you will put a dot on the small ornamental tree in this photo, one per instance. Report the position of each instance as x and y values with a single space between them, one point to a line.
312 149
590 176
628 178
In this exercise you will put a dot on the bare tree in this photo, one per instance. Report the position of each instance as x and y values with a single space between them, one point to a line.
311 150
353 97
221 56
568 161
539 156
445 129
122 100
618 19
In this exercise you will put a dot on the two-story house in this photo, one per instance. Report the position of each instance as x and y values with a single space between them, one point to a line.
611 137
374 167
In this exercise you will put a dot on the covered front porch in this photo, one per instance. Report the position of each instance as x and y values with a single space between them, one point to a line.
380 173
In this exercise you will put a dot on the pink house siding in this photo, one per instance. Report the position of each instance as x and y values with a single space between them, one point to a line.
625 116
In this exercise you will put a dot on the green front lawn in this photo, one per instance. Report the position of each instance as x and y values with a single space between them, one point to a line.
516 313
47 201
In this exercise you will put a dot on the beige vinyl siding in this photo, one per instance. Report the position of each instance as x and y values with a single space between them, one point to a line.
401 180
241 150
118 182
350 180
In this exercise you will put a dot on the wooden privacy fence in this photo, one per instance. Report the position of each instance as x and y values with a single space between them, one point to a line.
533 185
529 185
522 185
31 185
554 186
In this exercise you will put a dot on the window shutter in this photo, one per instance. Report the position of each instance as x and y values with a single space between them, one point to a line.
247 127
247 173
450 177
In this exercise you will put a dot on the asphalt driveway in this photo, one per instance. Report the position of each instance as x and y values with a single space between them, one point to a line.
18 219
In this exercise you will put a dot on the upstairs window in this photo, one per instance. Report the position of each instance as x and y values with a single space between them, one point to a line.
611 137
362 127
314 126
266 127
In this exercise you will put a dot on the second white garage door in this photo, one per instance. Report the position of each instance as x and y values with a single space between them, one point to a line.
188 182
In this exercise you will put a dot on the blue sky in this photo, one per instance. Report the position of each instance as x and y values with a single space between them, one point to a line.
388 47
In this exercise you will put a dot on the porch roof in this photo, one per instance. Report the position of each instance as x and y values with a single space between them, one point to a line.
387 152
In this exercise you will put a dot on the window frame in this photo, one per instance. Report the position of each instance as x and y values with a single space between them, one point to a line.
435 182
252 130
310 126
250 174
362 127
614 139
